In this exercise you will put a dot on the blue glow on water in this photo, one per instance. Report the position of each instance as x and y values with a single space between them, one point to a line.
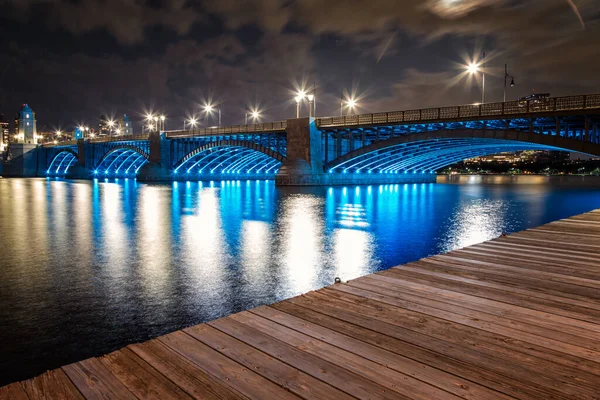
106 264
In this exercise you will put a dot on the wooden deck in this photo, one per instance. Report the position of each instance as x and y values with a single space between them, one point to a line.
515 317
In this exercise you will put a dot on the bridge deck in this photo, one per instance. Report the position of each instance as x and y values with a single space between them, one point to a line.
515 317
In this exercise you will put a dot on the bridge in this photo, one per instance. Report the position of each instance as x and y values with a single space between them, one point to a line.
387 147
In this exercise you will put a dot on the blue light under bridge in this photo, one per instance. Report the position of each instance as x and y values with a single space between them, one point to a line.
61 163
425 156
213 161
121 162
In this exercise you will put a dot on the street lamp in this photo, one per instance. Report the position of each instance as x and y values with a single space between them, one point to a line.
155 123
351 105
209 109
311 99
162 122
298 100
473 68
512 80
254 115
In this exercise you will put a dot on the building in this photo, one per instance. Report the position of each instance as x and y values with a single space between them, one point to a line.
4 133
25 126
114 127
124 125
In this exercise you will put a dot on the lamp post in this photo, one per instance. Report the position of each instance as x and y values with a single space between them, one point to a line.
473 68
311 101
162 122
298 100
512 80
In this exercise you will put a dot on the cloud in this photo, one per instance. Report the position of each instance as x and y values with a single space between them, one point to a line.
126 20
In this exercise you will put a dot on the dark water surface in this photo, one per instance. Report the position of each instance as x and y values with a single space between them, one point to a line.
88 267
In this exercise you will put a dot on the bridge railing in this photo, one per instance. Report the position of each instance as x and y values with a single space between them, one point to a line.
122 138
59 144
226 130
508 109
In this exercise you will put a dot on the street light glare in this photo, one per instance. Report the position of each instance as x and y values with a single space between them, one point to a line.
162 117
208 108
255 114
149 117
298 98
351 103
193 121
472 68
311 97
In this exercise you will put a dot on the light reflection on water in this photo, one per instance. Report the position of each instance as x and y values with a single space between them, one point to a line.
88 267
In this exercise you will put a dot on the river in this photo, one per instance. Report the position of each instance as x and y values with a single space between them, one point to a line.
87 267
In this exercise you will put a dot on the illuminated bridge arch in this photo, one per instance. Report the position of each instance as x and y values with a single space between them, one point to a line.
122 161
226 157
61 162
431 151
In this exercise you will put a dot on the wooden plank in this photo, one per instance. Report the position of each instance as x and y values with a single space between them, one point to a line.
346 381
183 373
586 307
500 360
501 309
51 385
399 386
513 353
94 381
515 261
14 391
238 377
290 378
487 290
553 350
580 287
450 264
448 359
562 341
433 376
141 379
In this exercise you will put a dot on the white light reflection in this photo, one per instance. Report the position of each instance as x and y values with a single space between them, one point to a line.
475 222
255 252
353 251
205 251
302 242
154 242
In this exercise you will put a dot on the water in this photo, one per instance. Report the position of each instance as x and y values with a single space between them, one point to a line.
88 267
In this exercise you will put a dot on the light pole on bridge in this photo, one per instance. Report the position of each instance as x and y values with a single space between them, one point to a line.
512 80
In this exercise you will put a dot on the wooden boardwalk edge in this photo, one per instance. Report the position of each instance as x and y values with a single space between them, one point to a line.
516 317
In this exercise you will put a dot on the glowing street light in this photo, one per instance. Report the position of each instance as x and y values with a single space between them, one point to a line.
472 69
255 115
209 108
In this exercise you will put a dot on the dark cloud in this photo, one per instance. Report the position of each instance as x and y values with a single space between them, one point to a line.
126 20
404 54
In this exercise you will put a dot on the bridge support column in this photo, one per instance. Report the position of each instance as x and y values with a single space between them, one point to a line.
159 166
23 160
304 165
80 170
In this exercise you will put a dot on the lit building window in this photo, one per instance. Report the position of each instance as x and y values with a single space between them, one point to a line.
28 124
27 116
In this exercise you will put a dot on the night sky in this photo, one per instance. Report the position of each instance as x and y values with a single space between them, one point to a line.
72 60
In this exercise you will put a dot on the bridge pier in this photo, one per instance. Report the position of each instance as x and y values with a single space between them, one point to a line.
158 166
80 170
304 162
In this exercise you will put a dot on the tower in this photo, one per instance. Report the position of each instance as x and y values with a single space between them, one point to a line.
25 126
